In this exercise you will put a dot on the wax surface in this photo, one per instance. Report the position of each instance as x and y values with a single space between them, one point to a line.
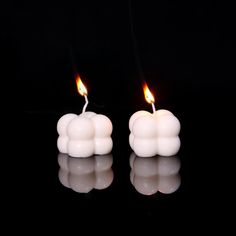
150 175
154 134
84 174
84 135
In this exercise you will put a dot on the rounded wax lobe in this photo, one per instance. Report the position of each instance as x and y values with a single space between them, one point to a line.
87 114
62 143
135 116
102 125
81 148
162 112
81 128
63 123
145 127
168 146
103 145
131 140
167 126
145 147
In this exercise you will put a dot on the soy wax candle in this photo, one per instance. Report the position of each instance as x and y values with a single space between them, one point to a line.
86 134
154 133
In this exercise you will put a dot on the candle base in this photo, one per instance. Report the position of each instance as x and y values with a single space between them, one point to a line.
154 134
84 135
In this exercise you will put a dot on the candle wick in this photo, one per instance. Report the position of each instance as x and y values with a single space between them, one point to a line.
86 104
153 107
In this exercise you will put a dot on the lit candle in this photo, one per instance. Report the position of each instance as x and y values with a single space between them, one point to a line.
155 174
85 174
86 134
156 133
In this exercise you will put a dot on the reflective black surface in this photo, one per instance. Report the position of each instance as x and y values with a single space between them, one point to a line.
85 174
198 159
201 186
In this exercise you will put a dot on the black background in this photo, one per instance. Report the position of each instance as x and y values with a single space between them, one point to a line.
185 52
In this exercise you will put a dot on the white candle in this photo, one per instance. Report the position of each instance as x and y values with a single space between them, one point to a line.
154 133
155 174
82 175
86 134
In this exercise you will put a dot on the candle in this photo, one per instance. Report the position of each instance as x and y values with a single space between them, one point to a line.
84 174
86 134
150 175
154 134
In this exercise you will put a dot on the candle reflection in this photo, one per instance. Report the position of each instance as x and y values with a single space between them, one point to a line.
155 174
83 175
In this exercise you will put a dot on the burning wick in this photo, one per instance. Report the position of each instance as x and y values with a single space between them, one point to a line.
153 107
86 104
82 91
149 97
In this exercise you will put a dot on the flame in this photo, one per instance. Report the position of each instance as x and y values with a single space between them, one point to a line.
148 95
80 87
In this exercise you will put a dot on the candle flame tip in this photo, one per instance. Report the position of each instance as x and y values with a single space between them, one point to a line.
148 95
82 90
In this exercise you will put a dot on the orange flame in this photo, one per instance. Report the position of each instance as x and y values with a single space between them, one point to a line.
80 87
148 95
